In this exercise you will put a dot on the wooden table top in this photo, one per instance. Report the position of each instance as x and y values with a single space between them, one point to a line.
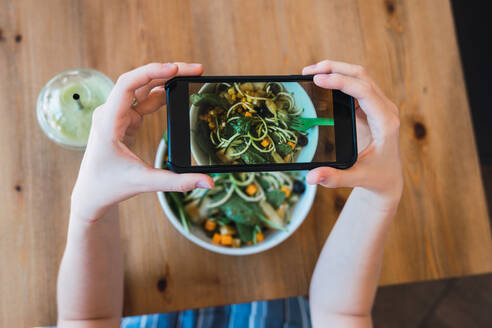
410 49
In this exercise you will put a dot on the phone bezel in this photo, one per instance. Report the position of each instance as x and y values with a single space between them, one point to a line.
179 151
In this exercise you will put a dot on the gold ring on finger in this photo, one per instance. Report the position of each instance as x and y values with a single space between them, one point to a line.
134 103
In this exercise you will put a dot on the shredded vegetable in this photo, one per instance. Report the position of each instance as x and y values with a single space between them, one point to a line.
248 123
241 207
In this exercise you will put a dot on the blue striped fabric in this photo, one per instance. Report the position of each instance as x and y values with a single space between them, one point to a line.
283 313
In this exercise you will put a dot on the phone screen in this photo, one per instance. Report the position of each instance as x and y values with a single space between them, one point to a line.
244 123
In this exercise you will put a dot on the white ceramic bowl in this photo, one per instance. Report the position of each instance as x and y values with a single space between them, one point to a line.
272 238
302 100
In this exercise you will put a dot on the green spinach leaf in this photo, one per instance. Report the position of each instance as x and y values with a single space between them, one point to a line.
241 125
263 183
240 211
283 149
276 138
253 156
227 132
275 197
245 232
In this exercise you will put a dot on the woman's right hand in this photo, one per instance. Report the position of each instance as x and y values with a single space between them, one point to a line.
378 167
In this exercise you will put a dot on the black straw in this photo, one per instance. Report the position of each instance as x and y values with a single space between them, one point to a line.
76 97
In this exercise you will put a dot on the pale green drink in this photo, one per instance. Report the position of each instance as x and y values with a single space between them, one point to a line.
66 103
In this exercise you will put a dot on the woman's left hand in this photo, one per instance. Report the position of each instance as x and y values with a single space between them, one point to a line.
110 172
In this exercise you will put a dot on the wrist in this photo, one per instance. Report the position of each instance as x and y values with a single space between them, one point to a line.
83 212
385 201
81 227
82 217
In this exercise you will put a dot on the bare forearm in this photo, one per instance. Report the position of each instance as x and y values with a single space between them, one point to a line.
346 275
90 282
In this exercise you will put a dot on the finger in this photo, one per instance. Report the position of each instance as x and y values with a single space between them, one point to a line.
330 177
349 85
122 94
329 66
155 100
130 81
144 91
185 69
163 180
356 88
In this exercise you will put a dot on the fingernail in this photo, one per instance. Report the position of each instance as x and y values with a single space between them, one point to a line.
169 65
320 78
203 184
195 64
311 66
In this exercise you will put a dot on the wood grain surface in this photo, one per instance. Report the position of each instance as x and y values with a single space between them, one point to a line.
409 47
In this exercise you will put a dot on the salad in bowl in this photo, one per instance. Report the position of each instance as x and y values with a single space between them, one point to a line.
244 213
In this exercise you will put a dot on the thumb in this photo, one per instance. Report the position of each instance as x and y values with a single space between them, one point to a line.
330 177
164 180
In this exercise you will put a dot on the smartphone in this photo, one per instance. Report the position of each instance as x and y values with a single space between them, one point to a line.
222 124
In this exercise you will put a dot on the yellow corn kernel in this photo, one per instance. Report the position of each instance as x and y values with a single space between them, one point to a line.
231 91
216 239
226 240
251 189
265 142
259 237
292 145
248 114
233 97
285 190
210 225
